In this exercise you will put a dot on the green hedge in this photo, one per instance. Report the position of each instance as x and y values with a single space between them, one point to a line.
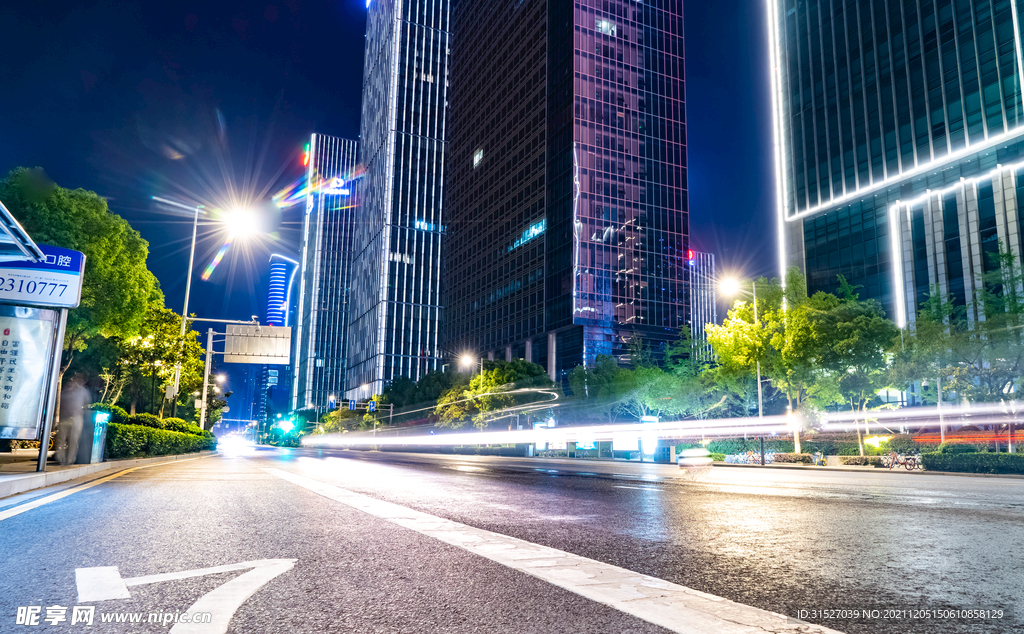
718 457
117 414
974 462
168 424
793 457
128 441
955 448
861 461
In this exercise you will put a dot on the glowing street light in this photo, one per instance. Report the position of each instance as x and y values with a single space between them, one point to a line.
730 287
240 223
468 360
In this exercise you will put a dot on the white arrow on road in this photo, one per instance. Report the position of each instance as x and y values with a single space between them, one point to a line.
105 583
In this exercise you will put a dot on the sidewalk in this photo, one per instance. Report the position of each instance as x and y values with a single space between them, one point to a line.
870 469
21 476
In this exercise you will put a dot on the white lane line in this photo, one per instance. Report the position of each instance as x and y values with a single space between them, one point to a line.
616 486
28 506
674 607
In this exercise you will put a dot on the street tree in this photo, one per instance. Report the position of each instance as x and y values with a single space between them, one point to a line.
479 400
117 286
858 338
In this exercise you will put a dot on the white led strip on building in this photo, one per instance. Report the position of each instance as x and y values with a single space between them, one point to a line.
778 123
895 228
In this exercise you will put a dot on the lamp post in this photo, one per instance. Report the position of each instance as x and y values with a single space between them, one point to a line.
731 287
198 209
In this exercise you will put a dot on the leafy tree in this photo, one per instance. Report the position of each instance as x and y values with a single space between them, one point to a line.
339 420
117 286
701 395
474 401
857 337
600 390
639 353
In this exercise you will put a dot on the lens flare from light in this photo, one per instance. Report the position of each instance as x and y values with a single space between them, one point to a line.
212 266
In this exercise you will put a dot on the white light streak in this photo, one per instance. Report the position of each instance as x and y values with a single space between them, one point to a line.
770 425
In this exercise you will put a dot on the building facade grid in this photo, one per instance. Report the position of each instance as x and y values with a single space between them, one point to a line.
321 332
396 308
568 208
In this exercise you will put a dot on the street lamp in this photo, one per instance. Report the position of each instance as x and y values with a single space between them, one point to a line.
188 285
731 287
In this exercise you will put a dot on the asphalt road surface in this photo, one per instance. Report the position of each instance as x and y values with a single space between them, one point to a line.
278 540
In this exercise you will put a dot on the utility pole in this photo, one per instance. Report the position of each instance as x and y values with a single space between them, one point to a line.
760 400
206 378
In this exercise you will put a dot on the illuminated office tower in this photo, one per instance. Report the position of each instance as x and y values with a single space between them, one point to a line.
898 144
279 290
396 303
566 196
321 328
703 294
273 391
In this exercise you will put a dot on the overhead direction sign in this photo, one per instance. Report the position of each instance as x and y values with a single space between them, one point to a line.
270 345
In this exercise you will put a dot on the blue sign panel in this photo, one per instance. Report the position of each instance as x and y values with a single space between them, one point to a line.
56 281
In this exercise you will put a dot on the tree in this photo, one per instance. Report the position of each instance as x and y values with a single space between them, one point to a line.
857 338
701 392
600 389
117 286
491 393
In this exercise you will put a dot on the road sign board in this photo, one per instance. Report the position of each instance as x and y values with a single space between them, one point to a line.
55 281
258 344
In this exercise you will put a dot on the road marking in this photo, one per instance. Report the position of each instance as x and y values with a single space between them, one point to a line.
674 607
637 488
105 583
28 506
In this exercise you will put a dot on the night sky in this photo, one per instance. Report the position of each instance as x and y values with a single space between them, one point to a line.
206 102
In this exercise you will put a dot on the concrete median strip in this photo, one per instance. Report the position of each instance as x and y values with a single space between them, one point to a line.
671 606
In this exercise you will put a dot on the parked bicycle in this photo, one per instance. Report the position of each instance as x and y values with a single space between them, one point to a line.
894 460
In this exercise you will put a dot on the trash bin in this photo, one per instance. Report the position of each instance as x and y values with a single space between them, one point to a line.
92 443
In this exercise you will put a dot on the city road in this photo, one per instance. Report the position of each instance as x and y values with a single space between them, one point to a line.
304 540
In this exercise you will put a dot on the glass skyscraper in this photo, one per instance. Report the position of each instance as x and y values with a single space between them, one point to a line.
321 329
703 294
567 191
898 134
396 305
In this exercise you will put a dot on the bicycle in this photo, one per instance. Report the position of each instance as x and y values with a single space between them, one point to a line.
894 460
819 460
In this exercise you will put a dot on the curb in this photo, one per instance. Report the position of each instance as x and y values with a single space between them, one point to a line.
15 483
877 470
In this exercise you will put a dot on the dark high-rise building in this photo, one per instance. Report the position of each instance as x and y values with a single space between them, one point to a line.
899 143
396 305
566 194
321 329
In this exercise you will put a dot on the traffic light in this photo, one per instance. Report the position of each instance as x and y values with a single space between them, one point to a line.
373 406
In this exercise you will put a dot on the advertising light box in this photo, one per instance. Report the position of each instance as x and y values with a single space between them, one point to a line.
26 336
